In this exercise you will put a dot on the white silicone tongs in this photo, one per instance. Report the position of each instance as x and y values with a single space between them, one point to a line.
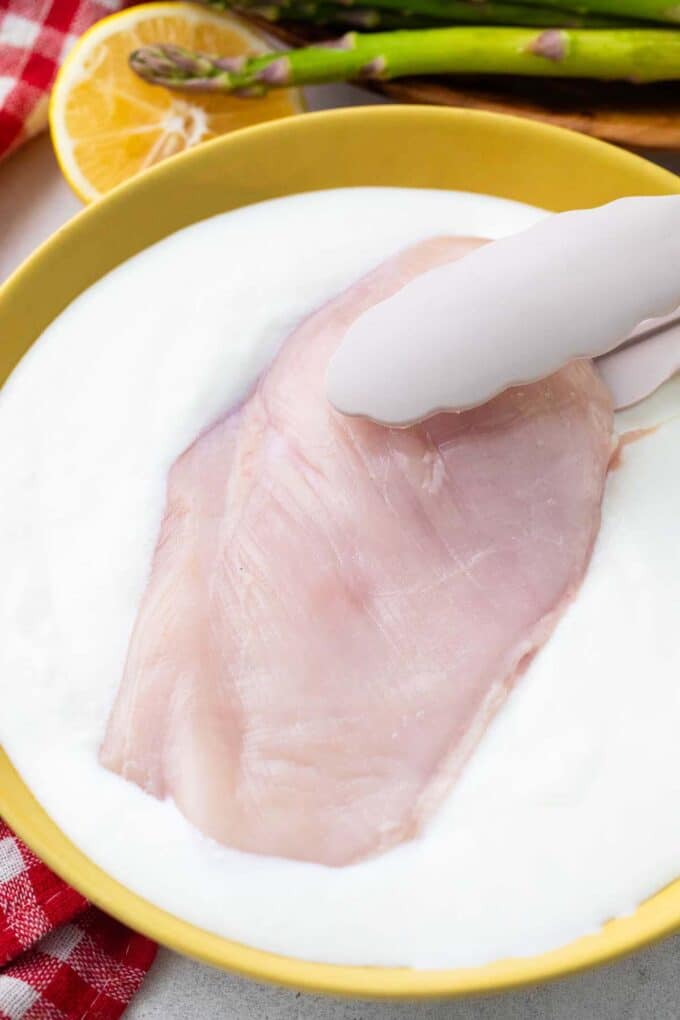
577 284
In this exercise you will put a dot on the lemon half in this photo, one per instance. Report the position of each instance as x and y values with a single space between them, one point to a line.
108 125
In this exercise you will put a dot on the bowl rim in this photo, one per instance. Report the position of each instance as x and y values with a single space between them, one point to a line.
656 918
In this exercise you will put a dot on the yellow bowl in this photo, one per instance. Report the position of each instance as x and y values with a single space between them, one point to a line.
398 146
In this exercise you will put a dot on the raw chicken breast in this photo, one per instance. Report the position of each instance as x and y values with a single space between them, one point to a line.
336 610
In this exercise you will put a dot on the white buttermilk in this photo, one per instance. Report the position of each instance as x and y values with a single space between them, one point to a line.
566 815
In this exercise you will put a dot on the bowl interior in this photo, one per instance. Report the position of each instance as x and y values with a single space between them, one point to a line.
381 146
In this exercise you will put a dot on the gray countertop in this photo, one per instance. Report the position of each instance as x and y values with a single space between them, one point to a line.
34 201
643 987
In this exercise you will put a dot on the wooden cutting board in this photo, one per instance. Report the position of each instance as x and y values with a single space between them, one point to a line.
637 116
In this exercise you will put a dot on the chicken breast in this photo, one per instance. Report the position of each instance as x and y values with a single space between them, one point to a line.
335 610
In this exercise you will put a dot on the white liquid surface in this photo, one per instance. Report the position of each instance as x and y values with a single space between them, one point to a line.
566 815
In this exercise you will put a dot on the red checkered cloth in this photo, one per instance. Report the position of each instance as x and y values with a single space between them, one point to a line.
60 958
35 36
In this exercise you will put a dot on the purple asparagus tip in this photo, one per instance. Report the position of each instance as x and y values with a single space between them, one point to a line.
191 63
171 65
150 63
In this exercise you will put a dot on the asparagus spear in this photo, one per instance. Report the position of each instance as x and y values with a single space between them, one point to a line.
667 11
364 18
635 54
442 12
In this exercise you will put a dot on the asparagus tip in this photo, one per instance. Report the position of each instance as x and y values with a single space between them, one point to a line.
165 63
150 63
